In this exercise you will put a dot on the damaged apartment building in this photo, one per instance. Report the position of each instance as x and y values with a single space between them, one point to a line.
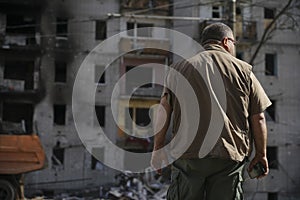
43 43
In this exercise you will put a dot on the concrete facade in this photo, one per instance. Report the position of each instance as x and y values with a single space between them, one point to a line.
63 34
75 163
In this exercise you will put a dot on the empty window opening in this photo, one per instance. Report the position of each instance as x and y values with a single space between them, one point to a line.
100 115
17 118
99 71
142 116
97 159
101 27
271 112
20 24
238 10
138 117
269 13
140 32
58 155
62 27
272 196
272 155
216 11
60 72
59 114
21 71
270 64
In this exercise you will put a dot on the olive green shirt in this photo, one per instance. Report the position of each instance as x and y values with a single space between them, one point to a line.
244 97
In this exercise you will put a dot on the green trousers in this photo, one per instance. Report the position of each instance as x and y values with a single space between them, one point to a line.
206 179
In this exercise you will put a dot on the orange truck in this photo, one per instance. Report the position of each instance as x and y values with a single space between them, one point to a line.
19 154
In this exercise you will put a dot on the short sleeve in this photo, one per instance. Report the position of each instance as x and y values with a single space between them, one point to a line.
166 91
259 100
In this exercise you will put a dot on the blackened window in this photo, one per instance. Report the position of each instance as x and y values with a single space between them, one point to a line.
97 158
272 196
271 112
99 71
20 24
269 13
60 71
270 64
272 156
18 112
59 113
238 11
100 30
61 27
100 114
102 79
216 12
142 116
20 70
130 25
58 155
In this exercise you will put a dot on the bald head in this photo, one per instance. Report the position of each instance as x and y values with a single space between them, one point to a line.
215 32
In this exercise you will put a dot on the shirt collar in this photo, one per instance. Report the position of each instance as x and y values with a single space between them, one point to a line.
215 47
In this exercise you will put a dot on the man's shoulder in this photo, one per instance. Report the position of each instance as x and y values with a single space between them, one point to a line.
243 64
181 64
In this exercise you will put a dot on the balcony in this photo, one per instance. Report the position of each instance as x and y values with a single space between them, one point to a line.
147 45
23 6
61 43
13 85
15 89
161 6
20 41
142 92
20 81
147 92
19 45
20 33
246 31
13 128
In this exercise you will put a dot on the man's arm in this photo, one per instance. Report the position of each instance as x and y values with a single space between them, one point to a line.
259 130
161 125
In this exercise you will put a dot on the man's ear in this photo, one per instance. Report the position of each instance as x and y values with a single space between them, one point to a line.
225 44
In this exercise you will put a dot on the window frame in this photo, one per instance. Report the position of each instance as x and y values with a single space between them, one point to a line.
96 119
219 11
65 115
60 22
274 71
65 68
99 33
104 76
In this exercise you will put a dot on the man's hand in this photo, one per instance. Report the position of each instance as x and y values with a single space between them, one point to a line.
259 129
159 160
263 160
